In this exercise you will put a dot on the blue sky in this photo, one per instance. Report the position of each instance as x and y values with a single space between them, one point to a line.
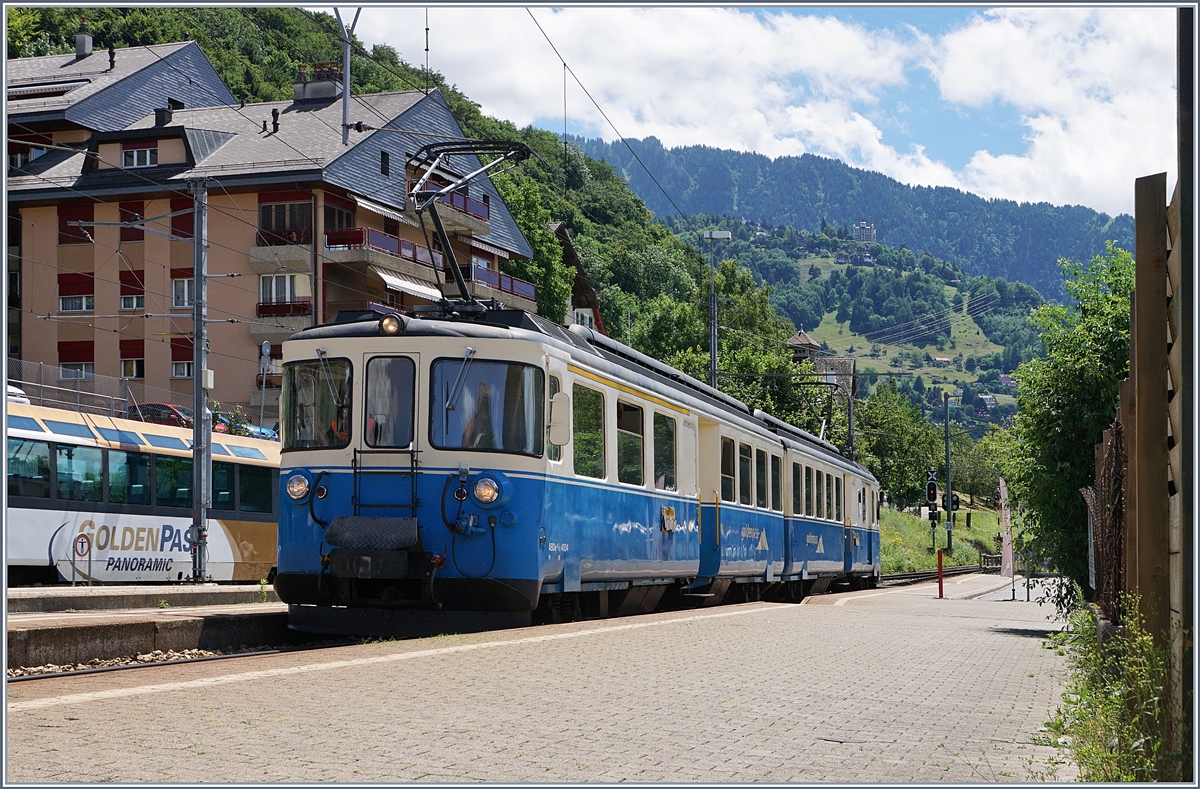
1065 105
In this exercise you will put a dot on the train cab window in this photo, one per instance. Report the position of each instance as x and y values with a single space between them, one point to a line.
129 477
760 478
820 494
553 451
630 443
389 407
776 483
224 486
80 473
837 498
255 488
728 470
316 402
797 490
745 460
487 406
28 468
587 422
829 497
808 491
664 452
173 481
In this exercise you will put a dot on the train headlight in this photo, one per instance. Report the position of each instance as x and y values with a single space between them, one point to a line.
297 486
486 491
390 324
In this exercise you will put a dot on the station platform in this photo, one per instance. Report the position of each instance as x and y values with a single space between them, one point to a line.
73 625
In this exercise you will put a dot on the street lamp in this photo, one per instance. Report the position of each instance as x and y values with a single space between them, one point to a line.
710 236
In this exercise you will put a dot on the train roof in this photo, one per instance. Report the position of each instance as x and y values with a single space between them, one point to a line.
581 343
54 424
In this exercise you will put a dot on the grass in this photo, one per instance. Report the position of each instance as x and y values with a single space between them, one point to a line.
905 542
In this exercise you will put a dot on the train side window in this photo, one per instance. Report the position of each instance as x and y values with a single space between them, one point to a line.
776 483
129 477
553 451
28 468
797 490
255 488
587 423
389 414
808 491
745 461
760 478
837 498
173 481
728 470
820 494
664 452
223 486
631 443
828 496
80 473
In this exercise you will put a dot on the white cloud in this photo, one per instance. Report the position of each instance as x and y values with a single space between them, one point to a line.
1094 86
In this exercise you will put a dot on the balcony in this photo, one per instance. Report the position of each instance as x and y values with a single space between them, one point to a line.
377 240
282 238
282 309
501 282
468 205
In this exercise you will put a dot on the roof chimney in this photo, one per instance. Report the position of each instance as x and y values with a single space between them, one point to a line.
112 57
83 40
323 85
162 116
275 121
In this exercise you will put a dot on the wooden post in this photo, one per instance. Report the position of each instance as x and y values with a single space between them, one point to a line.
1149 373
1127 414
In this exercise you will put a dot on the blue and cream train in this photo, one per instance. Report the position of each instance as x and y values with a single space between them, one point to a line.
506 463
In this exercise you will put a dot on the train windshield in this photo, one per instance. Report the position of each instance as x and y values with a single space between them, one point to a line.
490 406
316 404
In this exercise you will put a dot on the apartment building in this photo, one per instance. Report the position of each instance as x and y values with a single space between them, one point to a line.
863 232
299 227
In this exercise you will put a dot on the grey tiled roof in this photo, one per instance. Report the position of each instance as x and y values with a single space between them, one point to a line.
93 68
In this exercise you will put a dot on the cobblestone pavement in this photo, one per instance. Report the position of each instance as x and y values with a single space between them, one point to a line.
886 685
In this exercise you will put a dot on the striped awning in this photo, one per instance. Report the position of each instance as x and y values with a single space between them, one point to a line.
486 247
383 210
402 283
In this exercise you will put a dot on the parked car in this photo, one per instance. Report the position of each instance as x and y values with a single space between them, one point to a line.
223 424
15 395
160 414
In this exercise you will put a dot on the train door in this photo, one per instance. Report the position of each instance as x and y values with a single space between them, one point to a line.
709 457
384 454
841 495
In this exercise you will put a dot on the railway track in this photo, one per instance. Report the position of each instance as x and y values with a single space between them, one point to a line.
896 579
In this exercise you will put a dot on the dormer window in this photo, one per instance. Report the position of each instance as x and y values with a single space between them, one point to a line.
143 153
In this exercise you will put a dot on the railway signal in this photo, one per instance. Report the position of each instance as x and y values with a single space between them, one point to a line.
952 504
931 492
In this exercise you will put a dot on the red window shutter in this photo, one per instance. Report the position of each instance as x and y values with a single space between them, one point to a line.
183 273
276 350
181 349
130 212
133 349
68 234
295 196
135 145
71 284
333 200
183 225
69 352
132 284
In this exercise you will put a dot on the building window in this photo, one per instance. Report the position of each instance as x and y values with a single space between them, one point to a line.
21 155
76 303
76 371
140 157
133 302
339 218
133 368
385 163
181 369
277 288
584 318
285 223
480 262
182 292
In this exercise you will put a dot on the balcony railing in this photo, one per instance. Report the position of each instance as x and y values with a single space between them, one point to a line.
502 282
369 238
283 309
468 205
274 381
279 238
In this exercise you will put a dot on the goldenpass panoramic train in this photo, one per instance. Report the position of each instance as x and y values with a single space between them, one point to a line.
501 462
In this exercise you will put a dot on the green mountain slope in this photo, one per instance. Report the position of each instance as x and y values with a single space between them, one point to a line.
1018 241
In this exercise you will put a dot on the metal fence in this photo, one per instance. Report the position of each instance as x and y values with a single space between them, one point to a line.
45 384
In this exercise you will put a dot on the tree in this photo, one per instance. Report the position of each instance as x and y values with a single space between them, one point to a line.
1066 401
897 445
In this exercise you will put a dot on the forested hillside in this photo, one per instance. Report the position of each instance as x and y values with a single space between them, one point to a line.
1020 242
